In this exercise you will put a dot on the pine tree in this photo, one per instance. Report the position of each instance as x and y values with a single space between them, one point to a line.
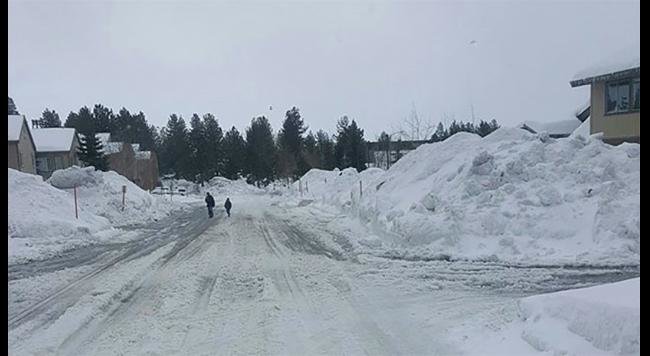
102 118
49 119
198 164
90 152
213 146
82 121
234 152
440 133
12 107
325 148
175 154
350 145
260 151
290 144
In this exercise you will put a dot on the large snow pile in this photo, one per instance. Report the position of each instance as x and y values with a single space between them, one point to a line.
341 188
39 215
607 317
223 186
216 186
101 193
510 196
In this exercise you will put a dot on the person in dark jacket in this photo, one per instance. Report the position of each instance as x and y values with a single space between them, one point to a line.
209 200
228 205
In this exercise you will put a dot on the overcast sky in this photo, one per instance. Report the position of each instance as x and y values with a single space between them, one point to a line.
372 61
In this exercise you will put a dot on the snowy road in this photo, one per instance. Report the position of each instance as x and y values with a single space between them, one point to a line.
263 282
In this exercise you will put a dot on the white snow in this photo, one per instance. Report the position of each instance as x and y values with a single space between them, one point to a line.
56 139
582 108
510 196
101 193
41 219
112 147
135 146
14 125
103 137
600 320
624 59
554 128
583 130
142 154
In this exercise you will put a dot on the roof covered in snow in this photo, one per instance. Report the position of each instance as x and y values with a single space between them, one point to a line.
136 146
113 147
55 139
621 64
143 155
555 128
15 124
103 137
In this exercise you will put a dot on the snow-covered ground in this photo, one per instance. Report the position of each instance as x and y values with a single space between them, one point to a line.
510 245
42 221
600 320
511 196
277 278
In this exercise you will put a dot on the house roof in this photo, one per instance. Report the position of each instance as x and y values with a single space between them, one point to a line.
15 124
136 146
143 155
113 147
583 112
55 139
562 127
103 137
622 64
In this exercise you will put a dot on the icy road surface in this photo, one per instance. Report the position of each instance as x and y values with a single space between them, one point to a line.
264 282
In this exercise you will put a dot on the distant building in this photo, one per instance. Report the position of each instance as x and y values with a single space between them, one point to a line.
121 159
383 155
140 167
615 104
21 148
146 169
56 148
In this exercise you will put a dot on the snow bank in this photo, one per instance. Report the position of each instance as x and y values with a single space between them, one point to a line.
217 186
606 317
100 193
41 219
510 196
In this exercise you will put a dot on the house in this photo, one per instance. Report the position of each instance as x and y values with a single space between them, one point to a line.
121 159
146 163
615 106
383 156
56 148
21 148
555 129
140 167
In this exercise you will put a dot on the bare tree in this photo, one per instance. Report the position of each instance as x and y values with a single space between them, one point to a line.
415 128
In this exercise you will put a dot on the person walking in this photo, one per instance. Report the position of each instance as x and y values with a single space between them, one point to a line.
209 200
228 205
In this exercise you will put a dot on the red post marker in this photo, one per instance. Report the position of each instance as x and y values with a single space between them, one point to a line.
123 195
76 212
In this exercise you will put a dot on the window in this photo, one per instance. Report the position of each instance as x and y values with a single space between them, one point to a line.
623 97
41 164
59 162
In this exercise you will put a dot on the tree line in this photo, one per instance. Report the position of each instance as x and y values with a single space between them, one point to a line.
201 149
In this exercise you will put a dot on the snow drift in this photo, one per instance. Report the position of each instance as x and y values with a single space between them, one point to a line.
510 196
100 193
605 317
41 218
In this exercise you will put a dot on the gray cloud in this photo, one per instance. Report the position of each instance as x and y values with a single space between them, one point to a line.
369 60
